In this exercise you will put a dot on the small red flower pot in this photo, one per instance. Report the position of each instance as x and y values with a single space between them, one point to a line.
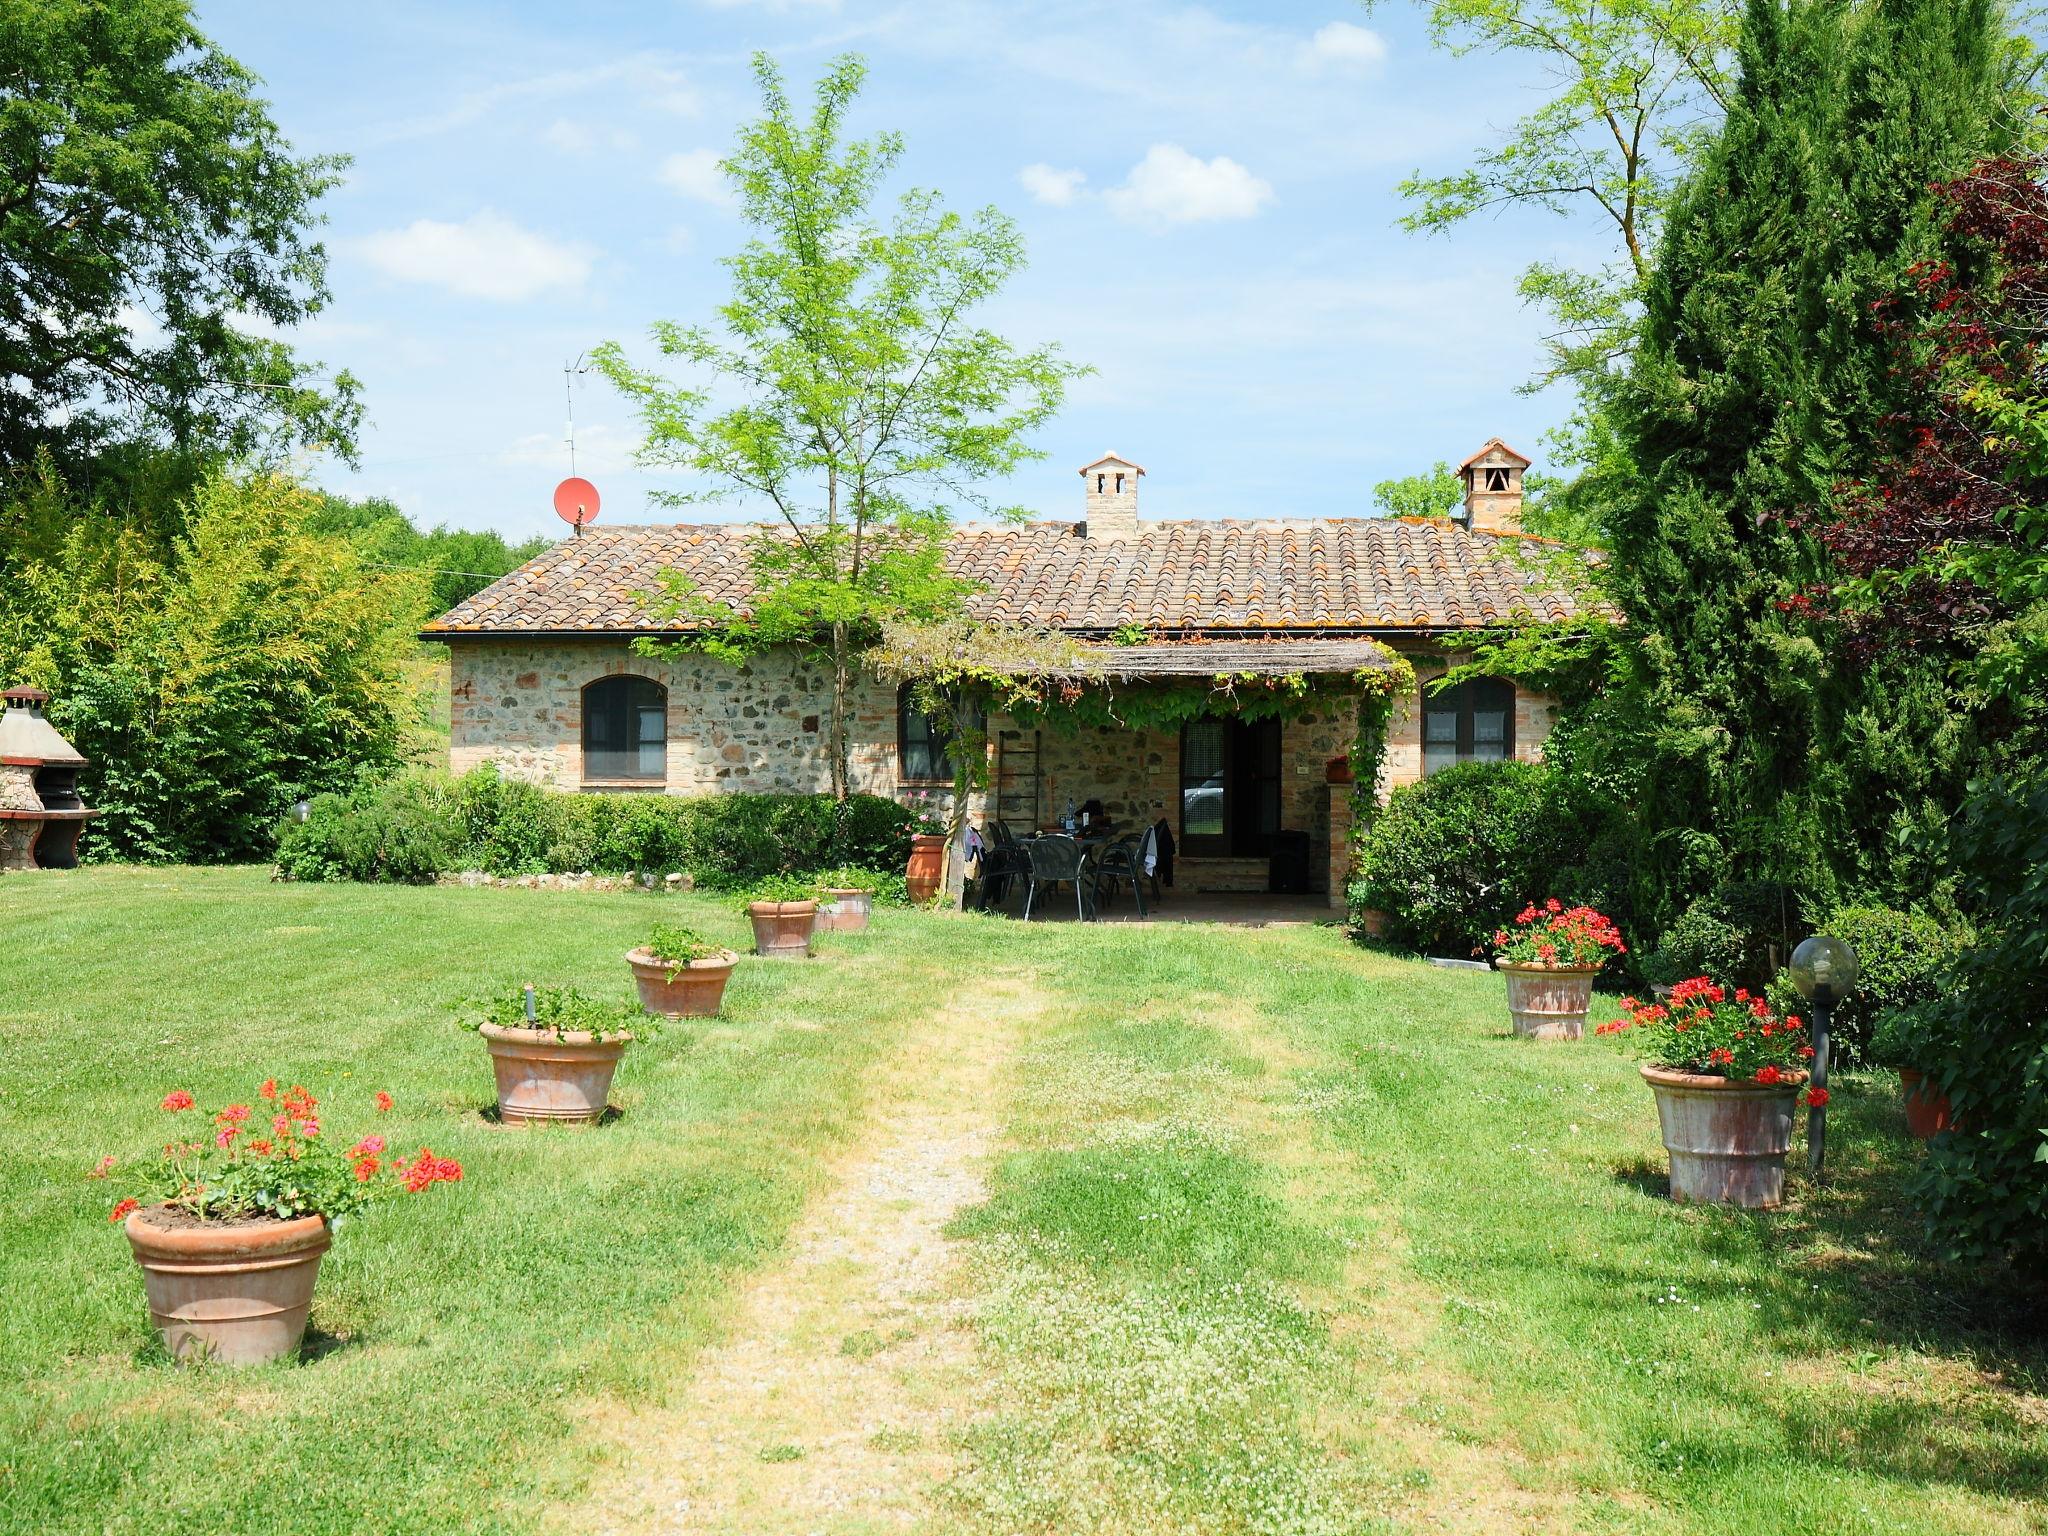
1726 1139
1548 1002
927 866
1927 1109
233 1291
782 929
691 991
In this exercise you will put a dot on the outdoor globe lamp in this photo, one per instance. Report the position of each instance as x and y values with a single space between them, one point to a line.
1824 969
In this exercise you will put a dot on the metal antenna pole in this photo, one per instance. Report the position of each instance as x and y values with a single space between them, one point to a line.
569 372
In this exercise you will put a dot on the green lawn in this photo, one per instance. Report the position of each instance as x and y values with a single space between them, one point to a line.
1282 1236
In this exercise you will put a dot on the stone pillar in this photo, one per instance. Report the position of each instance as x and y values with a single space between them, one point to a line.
1341 815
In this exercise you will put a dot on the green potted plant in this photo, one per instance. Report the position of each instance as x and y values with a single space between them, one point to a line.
784 912
1550 956
1895 1041
849 899
229 1224
1726 1071
680 973
554 1052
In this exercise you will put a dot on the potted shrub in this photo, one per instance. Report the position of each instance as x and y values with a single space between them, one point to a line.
231 1221
1726 1072
1893 1043
849 900
680 973
554 1052
784 912
1550 956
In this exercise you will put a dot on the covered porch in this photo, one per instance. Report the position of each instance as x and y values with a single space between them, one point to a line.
1240 749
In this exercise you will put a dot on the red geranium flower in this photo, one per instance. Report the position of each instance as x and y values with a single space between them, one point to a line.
1768 1075
1816 1097
177 1099
125 1209
384 1101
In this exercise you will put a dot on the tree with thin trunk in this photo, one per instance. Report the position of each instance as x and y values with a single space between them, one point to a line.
849 394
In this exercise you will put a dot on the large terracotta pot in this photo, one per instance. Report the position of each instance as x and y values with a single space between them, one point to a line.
1727 1140
927 866
782 929
691 991
546 1076
233 1291
1927 1109
1549 1002
1374 922
846 911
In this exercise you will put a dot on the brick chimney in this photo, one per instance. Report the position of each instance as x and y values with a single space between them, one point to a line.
1493 488
1112 499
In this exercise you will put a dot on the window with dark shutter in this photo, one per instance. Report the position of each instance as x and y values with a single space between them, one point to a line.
1473 722
625 729
924 748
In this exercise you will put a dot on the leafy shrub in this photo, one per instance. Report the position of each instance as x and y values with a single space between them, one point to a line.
874 833
676 946
1456 856
507 824
779 888
1980 1038
1742 933
401 831
1902 954
564 1010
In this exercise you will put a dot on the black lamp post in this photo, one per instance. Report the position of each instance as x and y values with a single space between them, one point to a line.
1824 969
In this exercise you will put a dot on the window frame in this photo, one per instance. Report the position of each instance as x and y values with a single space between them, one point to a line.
1474 696
939 744
624 683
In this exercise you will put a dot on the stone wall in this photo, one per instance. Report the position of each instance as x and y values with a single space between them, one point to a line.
763 728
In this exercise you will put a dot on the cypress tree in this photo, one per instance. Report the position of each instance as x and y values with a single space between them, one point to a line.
1761 383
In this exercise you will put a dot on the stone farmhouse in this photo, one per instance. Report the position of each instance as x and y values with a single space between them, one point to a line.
546 683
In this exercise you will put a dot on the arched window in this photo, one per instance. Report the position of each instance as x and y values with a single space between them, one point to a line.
625 729
1473 722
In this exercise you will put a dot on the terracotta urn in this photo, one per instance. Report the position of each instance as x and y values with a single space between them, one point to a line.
1373 922
1727 1139
1337 771
1927 1108
233 1291
927 866
543 1075
782 929
845 910
1549 1002
690 991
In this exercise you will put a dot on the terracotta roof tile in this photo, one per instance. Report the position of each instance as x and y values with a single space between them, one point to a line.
1339 573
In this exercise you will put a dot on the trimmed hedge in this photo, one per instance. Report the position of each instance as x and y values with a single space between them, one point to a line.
1455 856
415 826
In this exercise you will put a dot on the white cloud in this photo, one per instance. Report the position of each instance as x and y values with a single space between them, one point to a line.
1171 186
1345 45
486 256
651 79
1048 184
695 174
574 138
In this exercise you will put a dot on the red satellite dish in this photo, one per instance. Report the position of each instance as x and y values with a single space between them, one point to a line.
576 501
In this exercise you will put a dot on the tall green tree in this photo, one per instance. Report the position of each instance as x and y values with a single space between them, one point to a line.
457 563
154 238
1629 92
851 395
1762 381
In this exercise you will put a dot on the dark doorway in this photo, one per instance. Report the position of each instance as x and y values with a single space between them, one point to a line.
1229 787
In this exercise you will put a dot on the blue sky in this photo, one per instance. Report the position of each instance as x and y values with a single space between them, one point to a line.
1208 194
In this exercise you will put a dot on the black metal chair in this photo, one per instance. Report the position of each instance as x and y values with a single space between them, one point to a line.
1055 859
1003 863
1115 864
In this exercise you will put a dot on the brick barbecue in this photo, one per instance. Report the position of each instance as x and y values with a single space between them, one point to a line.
41 815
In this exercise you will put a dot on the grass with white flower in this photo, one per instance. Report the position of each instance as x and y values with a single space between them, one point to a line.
1284 1237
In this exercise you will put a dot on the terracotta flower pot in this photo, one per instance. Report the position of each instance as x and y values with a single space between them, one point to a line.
1927 1109
233 1291
1337 771
1727 1140
846 912
1374 922
1549 1002
692 991
545 1076
782 929
927 866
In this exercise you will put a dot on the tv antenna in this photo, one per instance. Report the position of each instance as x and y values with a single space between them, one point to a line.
575 497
